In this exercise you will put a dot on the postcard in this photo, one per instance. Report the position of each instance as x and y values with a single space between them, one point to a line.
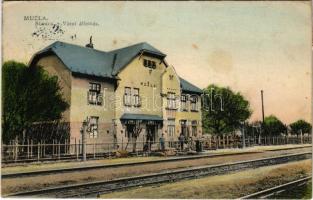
156 100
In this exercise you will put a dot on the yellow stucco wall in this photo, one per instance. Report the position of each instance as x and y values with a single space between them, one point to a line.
149 82
54 66
170 83
173 85
191 116
135 75
80 109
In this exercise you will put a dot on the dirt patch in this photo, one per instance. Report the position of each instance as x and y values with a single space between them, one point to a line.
229 186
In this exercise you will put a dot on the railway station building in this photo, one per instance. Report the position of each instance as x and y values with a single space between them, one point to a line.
122 91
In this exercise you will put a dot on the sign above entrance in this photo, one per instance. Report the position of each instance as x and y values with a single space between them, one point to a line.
148 84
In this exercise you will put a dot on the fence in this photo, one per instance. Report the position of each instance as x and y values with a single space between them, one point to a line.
41 151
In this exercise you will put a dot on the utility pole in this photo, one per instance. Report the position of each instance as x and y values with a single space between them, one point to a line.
84 132
262 126
262 106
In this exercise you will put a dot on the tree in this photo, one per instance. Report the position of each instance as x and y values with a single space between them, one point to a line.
136 130
273 126
223 110
253 129
300 125
29 95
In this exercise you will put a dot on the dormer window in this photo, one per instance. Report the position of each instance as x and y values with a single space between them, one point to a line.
149 63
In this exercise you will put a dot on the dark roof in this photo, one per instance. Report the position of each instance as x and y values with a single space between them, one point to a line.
129 116
188 87
90 61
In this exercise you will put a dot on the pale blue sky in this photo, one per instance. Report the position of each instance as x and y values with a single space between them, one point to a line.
248 46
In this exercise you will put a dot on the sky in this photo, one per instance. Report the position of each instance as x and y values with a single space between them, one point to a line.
247 46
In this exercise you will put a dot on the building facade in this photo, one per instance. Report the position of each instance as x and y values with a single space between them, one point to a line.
124 92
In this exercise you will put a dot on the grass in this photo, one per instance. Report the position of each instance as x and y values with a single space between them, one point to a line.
224 186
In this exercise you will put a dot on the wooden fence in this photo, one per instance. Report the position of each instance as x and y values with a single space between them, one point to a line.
41 151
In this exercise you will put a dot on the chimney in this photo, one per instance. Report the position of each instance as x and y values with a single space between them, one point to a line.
90 45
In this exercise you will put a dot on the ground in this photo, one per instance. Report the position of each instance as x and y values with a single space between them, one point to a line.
71 164
236 184
13 185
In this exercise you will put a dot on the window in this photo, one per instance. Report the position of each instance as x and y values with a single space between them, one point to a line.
193 102
171 127
95 97
183 103
127 96
137 102
149 63
194 128
171 101
94 127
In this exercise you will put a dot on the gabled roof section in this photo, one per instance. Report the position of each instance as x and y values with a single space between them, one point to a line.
127 54
188 87
93 62
82 59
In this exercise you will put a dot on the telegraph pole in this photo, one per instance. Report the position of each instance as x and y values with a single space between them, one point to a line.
262 106
262 126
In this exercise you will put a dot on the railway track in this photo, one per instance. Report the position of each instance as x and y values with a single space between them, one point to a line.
277 189
92 189
106 166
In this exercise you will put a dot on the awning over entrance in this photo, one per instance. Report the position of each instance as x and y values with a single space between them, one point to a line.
143 117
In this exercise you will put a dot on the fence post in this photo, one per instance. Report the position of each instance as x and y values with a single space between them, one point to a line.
41 143
64 146
143 142
79 146
227 141
16 150
53 148
210 142
38 151
94 149
2 150
249 141
109 151
59 150
149 148
31 148
44 148
76 149
10 149
301 136
27 148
